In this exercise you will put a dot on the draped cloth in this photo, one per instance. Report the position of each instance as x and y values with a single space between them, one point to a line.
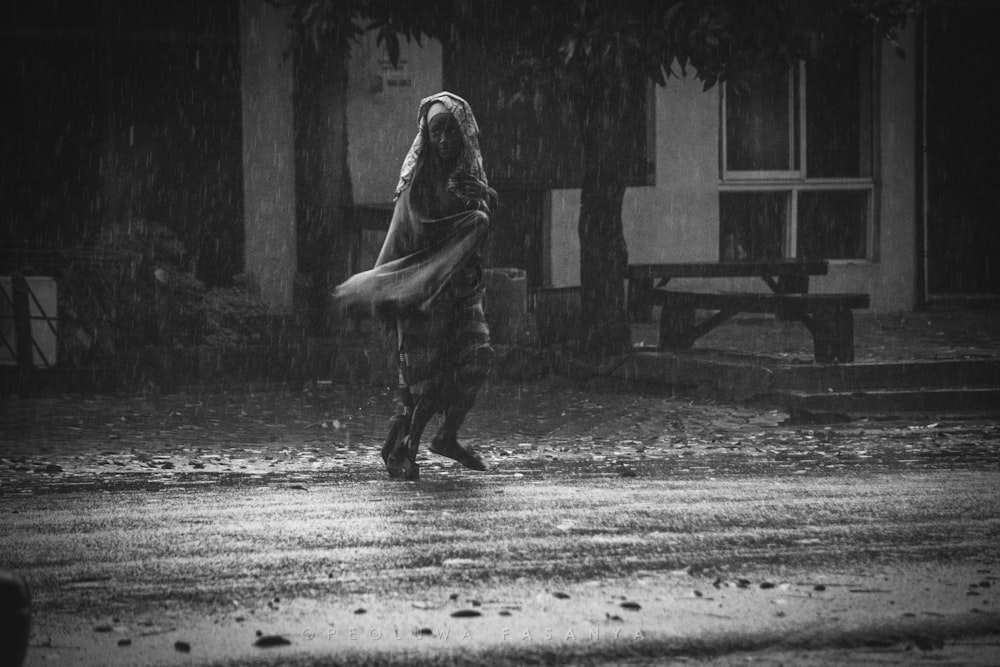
418 259
471 161
427 278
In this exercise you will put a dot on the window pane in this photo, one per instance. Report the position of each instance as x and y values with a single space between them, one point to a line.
759 123
833 225
839 111
751 224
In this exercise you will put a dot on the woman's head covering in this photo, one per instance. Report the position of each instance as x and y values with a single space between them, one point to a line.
471 160
435 109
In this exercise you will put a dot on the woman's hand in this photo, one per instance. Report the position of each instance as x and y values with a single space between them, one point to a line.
471 187
476 191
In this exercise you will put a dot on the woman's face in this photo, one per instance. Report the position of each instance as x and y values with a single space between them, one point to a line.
444 135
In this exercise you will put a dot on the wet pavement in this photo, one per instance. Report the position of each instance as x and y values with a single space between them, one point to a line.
197 527
159 519
501 569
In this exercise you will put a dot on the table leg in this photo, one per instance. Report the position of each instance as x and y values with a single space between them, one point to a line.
640 306
788 285
833 336
677 326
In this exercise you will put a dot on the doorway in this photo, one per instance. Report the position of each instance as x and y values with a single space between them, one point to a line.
962 152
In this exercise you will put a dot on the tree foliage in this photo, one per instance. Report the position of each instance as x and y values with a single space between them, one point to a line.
343 22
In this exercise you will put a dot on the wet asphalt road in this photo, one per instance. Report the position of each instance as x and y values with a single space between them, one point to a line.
610 526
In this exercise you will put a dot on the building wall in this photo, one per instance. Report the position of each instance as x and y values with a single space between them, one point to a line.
268 153
673 221
381 123
382 112
891 278
677 219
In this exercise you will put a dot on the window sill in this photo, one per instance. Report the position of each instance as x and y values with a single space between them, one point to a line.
850 262
797 183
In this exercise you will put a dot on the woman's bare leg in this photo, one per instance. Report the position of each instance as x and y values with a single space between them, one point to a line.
469 379
445 441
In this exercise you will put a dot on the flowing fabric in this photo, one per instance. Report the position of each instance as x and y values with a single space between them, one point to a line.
418 259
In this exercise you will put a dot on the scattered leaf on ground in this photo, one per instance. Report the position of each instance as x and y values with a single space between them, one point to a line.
268 641
425 604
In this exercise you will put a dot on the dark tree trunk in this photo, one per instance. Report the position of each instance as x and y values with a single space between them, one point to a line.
604 322
323 185
607 112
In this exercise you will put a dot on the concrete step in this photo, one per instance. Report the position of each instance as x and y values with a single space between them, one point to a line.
887 375
745 377
936 400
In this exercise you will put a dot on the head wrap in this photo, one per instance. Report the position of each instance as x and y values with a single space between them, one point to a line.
435 109
471 161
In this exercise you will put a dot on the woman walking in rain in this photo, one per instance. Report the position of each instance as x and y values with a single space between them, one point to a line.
427 282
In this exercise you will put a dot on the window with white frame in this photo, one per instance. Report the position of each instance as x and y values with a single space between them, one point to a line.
797 156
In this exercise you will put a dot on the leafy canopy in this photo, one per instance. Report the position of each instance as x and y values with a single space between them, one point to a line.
593 40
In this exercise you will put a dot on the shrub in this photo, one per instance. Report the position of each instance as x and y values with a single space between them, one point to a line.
138 288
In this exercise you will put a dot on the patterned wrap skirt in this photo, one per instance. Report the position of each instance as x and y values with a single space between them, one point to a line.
445 355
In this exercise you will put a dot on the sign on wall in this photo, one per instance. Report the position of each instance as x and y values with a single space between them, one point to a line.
393 78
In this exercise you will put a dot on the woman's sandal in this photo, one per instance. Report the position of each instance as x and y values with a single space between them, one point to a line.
396 450
400 466
450 448
399 428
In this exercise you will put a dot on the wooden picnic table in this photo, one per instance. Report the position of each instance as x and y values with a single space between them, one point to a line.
829 317
783 276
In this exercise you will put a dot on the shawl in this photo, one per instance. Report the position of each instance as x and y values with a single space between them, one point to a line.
411 269
472 157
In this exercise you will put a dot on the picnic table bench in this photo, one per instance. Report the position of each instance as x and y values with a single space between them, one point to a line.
828 317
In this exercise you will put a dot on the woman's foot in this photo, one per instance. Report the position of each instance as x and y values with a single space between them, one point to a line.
396 452
449 447
399 428
402 468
